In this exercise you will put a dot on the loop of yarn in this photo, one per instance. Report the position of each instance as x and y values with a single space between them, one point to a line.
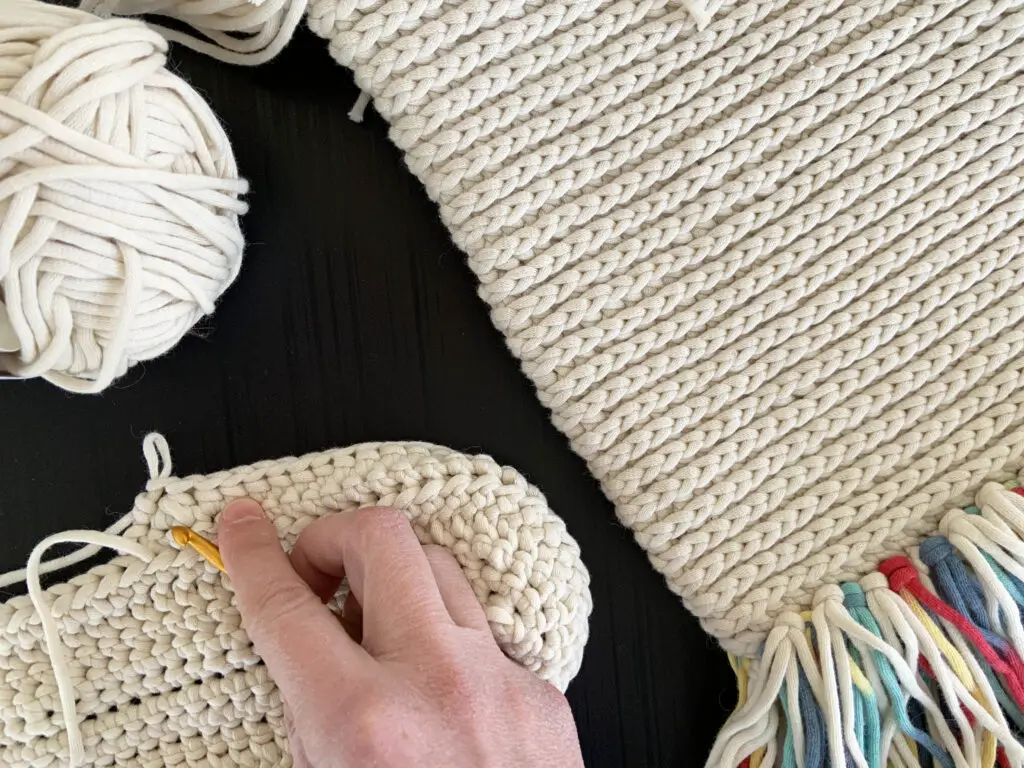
157 453
935 550
51 632
247 32
829 592
853 596
119 197
900 572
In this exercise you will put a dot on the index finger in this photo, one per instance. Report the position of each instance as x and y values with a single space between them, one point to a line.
302 644
376 549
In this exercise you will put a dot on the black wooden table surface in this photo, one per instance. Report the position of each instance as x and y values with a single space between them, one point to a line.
355 319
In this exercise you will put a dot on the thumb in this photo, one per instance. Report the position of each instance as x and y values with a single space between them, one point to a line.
298 638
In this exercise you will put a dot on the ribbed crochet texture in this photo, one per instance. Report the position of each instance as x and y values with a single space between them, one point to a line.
164 674
766 275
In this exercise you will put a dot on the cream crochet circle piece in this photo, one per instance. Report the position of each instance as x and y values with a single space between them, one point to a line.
765 273
164 674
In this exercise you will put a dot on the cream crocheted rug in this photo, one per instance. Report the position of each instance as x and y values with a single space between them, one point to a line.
766 275
762 260
143 661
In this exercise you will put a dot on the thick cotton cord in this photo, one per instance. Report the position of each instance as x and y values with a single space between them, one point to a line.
242 32
59 563
157 455
51 633
120 192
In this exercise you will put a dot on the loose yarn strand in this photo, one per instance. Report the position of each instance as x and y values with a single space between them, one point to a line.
358 111
797 732
949 753
60 563
839 685
158 458
763 691
157 454
51 634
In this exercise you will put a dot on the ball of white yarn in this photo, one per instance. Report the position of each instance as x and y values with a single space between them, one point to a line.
119 197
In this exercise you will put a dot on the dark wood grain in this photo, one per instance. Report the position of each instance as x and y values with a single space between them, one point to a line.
356 319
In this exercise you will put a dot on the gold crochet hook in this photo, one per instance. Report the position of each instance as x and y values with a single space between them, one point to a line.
186 537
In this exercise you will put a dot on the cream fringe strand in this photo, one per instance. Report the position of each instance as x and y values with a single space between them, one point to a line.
920 663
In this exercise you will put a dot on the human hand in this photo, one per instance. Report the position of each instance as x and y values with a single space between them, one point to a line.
413 677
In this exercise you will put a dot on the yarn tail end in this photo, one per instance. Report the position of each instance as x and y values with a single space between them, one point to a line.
920 663
699 12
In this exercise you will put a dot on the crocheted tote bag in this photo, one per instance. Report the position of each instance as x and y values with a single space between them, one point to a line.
766 273
143 661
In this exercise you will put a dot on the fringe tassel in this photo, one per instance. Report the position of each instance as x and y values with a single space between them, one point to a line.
918 665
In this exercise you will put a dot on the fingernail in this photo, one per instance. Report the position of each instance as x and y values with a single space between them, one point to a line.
242 509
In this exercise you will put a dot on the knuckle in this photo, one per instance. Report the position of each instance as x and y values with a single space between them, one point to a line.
556 702
554 705
374 718
530 697
458 685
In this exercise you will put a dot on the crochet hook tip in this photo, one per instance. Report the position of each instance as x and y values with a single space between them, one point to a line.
180 534
186 537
